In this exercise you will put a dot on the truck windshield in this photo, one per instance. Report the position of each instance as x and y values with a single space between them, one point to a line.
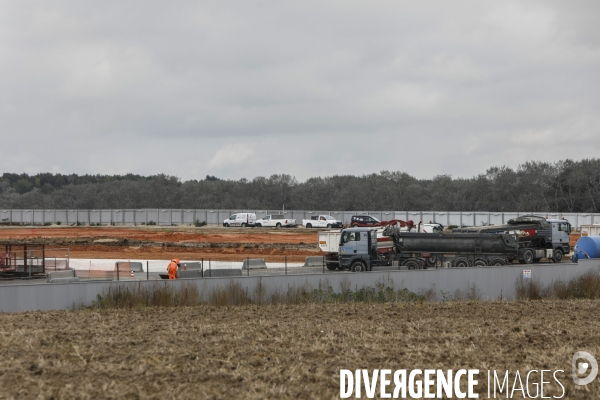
329 217
350 237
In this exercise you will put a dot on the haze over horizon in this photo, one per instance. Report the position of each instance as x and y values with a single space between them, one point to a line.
246 89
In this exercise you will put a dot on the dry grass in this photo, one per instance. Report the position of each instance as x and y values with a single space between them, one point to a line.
585 286
234 294
282 351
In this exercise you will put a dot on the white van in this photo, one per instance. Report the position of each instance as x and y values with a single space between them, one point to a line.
241 219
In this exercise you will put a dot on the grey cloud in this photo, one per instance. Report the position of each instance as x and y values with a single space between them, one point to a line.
427 88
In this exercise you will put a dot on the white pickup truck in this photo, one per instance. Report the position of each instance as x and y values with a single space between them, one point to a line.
277 221
322 221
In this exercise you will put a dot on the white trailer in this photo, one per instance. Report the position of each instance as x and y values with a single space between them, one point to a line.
591 230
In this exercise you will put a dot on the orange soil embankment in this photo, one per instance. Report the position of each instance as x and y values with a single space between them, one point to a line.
160 243
211 235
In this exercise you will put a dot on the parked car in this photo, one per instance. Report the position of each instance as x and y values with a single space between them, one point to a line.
322 221
241 219
364 220
276 221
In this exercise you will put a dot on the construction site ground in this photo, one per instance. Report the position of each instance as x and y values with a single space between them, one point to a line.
162 243
289 351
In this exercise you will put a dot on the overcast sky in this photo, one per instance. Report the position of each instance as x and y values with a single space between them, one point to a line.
307 88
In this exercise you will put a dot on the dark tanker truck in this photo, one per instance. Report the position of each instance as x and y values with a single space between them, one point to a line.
358 249
538 237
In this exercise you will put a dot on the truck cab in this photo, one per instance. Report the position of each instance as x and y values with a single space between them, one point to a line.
561 231
357 249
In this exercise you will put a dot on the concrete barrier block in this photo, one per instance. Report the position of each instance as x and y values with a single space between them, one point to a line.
223 272
67 275
134 266
313 261
190 266
195 273
254 263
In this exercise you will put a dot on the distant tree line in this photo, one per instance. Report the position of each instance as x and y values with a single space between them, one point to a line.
563 186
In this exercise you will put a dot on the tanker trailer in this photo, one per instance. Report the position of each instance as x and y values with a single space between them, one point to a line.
358 249
454 250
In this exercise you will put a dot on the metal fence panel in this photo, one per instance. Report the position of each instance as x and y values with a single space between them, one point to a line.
105 217
82 217
347 217
60 216
260 214
387 215
95 216
482 219
71 217
164 217
585 219
151 216
189 216
222 215
49 216
402 215
377 214
454 218
5 216
467 219
118 217
298 215
176 217
212 217
339 215
496 219
140 216
427 216
510 215
27 217
128 217
414 216
38 217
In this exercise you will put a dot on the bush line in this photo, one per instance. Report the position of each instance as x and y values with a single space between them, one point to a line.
585 286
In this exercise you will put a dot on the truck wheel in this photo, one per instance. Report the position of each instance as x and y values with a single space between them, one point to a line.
226 225
278 225
309 225
528 256
411 264
328 225
497 262
259 225
461 263
558 256
331 266
480 262
243 224
357 266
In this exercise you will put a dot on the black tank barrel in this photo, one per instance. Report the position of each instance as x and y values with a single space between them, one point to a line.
455 242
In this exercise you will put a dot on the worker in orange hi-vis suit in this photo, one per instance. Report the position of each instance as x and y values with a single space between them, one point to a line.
172 268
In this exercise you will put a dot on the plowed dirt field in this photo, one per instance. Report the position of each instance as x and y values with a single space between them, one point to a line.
288 352
160 243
